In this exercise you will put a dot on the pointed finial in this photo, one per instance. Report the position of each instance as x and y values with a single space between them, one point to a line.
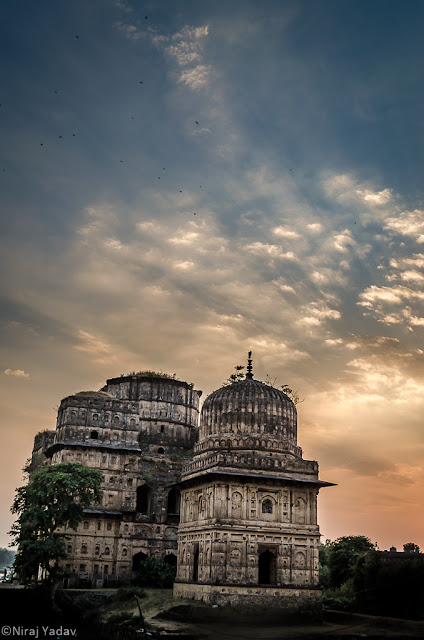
249 374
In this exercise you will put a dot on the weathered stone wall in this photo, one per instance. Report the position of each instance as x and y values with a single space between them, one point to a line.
138 433
288 601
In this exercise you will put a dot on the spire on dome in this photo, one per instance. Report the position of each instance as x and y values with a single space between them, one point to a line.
249 374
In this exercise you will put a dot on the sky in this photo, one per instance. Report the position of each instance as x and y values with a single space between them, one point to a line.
182 182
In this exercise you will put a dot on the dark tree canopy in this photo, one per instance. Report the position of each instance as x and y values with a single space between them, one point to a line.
54 498
411 547
343 554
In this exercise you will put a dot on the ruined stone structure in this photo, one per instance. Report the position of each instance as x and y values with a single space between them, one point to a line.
244 503
137 430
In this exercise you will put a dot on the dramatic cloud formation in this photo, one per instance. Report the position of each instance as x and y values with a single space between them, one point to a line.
183 184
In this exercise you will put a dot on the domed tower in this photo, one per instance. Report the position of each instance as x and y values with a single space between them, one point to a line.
248 533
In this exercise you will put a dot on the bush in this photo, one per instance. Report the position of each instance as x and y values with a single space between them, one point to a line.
155 574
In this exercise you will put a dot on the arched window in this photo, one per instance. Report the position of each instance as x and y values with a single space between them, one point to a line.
124 552
143 499
162 429
161 450
94 435
107 551
97 550
109 526
267 506
69 548
173 502
84 548
85 525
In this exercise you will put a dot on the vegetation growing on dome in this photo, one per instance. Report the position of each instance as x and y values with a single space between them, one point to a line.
149 373
291 393
103 394
237 376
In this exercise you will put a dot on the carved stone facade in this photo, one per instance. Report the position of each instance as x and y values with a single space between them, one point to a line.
137 430
248 533
244 504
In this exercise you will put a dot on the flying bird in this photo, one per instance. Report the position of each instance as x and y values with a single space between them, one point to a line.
60 136
77 37
180 191
139 82
196 122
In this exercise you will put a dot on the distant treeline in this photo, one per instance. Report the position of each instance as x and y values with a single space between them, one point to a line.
355 576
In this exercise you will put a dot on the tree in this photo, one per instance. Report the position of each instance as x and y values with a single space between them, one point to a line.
155 574
54 499
293 395
343 555
237 376
411 547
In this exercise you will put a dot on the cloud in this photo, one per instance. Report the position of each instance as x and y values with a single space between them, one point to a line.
377 198
317 313
90 344
130 31
285 232
343 240
315 227
392 295
408 223
18 373
196 78
186 47
272 250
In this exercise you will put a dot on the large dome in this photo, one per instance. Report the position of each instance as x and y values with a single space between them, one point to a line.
249 415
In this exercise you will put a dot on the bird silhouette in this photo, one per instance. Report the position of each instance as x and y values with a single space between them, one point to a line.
77 37
180 191
139 82
145 17
60 136
196 122
194 214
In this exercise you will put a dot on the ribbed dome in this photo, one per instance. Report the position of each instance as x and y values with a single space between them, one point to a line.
251 408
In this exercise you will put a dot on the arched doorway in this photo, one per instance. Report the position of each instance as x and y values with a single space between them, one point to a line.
267 568
171 559
138 558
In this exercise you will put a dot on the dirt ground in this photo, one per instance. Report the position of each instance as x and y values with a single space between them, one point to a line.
166 615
